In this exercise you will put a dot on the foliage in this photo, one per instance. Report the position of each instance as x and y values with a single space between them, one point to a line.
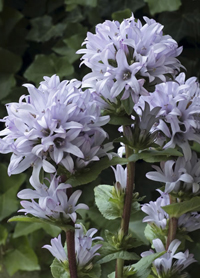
40 38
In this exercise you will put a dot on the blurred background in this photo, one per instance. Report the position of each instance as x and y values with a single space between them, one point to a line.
39 38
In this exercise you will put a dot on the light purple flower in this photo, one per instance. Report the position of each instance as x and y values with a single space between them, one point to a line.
57 249
85 249
179 175
52 201
121 55
120 177
53 125
171 263
179 119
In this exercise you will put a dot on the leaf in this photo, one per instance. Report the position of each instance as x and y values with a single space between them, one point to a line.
91 3
121 15
10 64
94 272
1 5
22 218
44 65
22 257
3 235
61 48
43 30
103 195
119 254
120 120
137 227
158 6
155 155
152 232
58 270
90 174
27 228
177 209
9 202
187 24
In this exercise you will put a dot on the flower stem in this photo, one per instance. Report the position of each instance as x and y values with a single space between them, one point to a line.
127 207
173 223
70 240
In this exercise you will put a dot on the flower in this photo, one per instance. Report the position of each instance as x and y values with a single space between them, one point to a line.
179 120
122 56
57 249
165 265
84 248
179 176
53 125
52 201
120 176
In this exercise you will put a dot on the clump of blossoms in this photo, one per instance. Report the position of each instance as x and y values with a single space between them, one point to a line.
55 124
124 56
179 120
53 202
85 250
171 264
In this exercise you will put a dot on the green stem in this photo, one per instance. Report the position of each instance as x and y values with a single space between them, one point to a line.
173 224
127 208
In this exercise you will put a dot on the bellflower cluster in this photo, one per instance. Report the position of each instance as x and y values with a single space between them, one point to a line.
187 222
181 176
85 250
53 201
55 124
180 107
122 56
171 264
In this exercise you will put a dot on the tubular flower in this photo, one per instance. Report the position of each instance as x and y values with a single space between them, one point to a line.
52 201
171 264
122 55
84 248
55 124
179 119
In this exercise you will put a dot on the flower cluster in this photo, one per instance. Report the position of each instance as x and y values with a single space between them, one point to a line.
171 264
181 177
55 124
122 56
179 119
52 201
84 248
186 222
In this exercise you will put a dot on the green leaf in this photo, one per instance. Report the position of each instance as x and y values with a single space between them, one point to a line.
1 5
43 30
186 24
91 3
155 155
103 196
120 120
59 270
95 272
125 255
128 105
44 65
10 64
158 6
177 209
61 48
121 15
22 257
3 235
152 232
137 227
22 229
90 174
22 218
8 201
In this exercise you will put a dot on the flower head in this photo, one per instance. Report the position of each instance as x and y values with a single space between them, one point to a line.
122 55
57 249
55 124
52 201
